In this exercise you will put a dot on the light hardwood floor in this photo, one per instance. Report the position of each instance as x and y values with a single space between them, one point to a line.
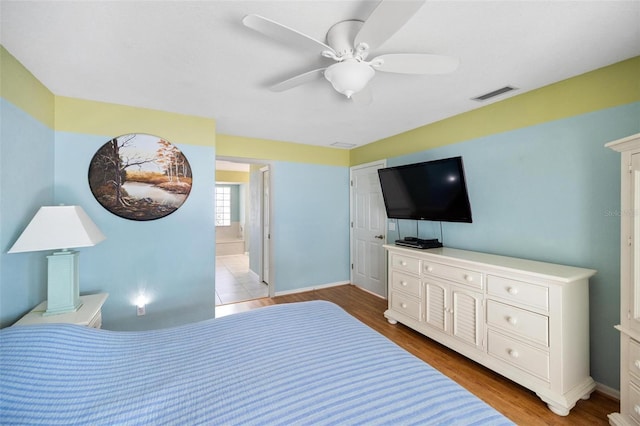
517 403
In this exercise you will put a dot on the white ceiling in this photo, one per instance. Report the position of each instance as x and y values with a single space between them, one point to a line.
196 58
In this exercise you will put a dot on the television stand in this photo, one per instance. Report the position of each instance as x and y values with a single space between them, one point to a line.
525 320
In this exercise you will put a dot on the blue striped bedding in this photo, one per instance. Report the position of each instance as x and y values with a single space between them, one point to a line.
292 364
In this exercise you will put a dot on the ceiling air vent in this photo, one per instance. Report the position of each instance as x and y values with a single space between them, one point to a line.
495 93
343 145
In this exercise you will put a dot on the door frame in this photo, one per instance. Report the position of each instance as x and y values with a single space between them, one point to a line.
353 260
266 164
265 215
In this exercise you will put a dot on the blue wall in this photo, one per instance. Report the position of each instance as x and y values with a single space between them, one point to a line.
26 184
310 224
546 192
171 260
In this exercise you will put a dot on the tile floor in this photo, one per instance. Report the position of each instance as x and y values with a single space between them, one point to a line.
234 282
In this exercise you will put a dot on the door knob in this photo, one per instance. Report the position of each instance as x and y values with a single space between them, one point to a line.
380 237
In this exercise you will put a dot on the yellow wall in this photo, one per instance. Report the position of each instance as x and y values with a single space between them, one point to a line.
263 149
22 89
617 84
231 176
90 117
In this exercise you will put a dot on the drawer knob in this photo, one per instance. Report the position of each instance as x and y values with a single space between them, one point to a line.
512 290
513 353
429 268
637 363
403 283
403 305
512 320
403 263
468 277
636 408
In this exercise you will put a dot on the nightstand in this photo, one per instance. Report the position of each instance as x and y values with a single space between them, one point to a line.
89 314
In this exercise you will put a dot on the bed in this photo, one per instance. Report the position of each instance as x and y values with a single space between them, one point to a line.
291 364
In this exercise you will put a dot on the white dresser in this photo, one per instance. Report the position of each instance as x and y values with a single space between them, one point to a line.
629 327
527 320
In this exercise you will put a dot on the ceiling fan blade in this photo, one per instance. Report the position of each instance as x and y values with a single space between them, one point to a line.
415 63
283 33
298 80
385 20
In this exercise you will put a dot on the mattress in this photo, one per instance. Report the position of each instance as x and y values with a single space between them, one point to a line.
292 364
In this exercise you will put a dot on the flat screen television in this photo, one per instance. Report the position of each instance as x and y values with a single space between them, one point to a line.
432 190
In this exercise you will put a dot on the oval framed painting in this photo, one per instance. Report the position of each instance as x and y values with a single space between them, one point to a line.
140 177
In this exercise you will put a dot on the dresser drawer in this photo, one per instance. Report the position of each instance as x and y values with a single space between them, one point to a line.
529 325
406 283
459 275
527 358
634 358
406 305
519 292
634 402
405 263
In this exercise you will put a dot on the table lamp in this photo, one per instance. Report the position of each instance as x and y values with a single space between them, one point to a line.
60 228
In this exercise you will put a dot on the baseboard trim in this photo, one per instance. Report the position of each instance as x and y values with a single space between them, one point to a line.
253 275
312 288
608 391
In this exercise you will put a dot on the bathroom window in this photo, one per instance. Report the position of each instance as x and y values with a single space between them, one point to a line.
223 206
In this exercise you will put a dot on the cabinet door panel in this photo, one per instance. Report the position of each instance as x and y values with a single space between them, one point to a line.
467 316
436 314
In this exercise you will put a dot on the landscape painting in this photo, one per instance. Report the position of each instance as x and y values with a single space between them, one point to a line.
140 177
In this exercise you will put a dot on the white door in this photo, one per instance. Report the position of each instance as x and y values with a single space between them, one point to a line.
266 226
368 229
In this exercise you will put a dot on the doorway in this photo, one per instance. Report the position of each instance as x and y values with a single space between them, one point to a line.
240 199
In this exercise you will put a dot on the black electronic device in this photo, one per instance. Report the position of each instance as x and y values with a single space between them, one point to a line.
432 190
419 243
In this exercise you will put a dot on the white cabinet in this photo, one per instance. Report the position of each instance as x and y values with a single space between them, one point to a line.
629 281
454 310
89 314
526 320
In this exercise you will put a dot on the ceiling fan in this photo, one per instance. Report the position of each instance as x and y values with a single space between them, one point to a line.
350 42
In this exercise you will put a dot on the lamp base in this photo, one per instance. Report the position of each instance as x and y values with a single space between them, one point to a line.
64 310
63 289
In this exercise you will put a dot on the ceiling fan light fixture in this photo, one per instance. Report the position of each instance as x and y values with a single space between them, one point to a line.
349 76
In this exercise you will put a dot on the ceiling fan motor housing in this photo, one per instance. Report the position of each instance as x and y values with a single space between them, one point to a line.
340 37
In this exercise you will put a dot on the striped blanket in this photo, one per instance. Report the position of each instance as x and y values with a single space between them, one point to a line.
293 364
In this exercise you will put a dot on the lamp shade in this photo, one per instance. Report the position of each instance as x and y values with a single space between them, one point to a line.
349 76
58 227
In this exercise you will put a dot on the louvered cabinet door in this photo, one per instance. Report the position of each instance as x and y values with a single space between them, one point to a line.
467 320
436 312
454 310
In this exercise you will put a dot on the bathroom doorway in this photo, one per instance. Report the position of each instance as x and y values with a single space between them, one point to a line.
240 198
